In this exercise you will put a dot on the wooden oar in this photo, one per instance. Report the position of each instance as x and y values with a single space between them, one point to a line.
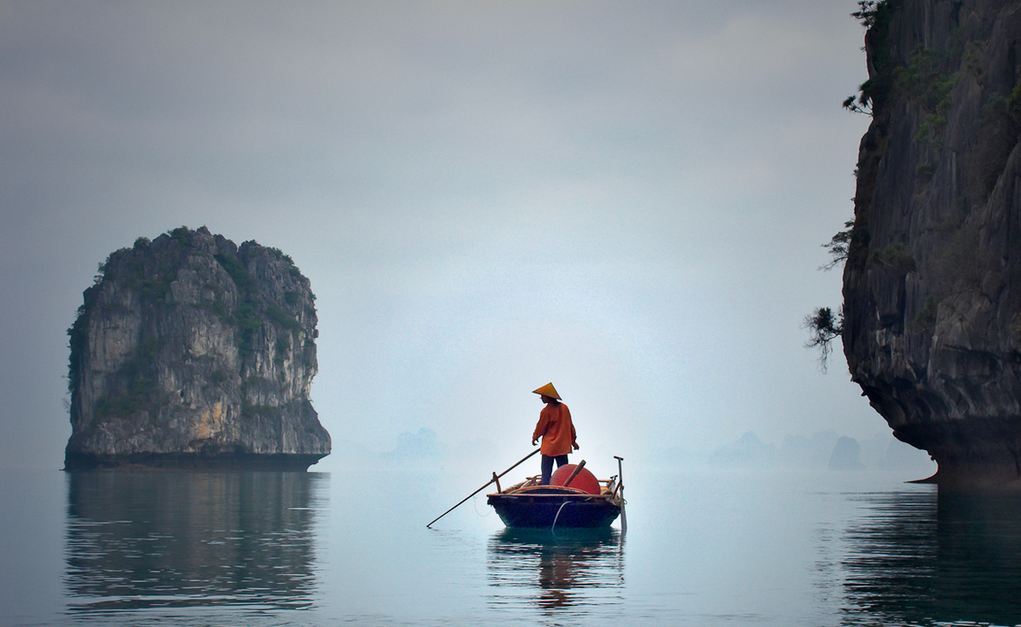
574 474
495 477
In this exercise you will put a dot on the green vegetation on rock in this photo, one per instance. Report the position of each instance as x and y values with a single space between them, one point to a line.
875 16
928 83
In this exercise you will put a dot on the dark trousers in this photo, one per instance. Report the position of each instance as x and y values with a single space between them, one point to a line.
547 466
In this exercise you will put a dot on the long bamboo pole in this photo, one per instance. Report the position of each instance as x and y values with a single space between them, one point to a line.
483 487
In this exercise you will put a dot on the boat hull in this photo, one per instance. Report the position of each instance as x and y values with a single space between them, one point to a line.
543 510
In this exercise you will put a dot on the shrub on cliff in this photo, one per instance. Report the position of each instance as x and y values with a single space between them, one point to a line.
823 327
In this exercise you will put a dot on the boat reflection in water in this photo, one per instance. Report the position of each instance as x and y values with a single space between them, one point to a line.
188 542
925 557
568 574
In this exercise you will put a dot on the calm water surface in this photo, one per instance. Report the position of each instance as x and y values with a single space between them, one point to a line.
136 547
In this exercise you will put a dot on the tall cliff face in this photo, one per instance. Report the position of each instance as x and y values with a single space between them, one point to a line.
932 283
191 350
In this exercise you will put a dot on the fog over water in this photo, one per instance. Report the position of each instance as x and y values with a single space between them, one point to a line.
625 199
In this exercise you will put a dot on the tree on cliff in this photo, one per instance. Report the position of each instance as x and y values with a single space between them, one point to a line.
822 324
823 328
838 246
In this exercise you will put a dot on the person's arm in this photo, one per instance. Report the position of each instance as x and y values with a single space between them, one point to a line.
574 432
540 427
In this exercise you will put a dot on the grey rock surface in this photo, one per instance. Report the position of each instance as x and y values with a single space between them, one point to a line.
190 350
932 283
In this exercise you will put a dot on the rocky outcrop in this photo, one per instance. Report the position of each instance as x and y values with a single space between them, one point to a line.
846 455
932 283
190 350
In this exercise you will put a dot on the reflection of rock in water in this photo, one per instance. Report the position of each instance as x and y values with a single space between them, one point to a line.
923 557
562 573
139 540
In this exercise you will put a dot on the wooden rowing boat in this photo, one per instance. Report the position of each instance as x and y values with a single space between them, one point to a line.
588 503
529 504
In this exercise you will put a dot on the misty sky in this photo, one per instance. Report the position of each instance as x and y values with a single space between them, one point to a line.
625 198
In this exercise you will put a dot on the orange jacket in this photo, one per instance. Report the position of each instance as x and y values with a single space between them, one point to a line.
556 429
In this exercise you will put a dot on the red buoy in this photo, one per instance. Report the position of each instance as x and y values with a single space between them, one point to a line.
585 480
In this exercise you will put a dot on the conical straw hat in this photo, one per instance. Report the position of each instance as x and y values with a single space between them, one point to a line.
547 390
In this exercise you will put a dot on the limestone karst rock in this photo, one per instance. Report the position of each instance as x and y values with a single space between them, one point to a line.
190 350
846 455
932 283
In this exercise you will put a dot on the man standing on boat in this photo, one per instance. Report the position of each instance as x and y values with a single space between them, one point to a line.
556 429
